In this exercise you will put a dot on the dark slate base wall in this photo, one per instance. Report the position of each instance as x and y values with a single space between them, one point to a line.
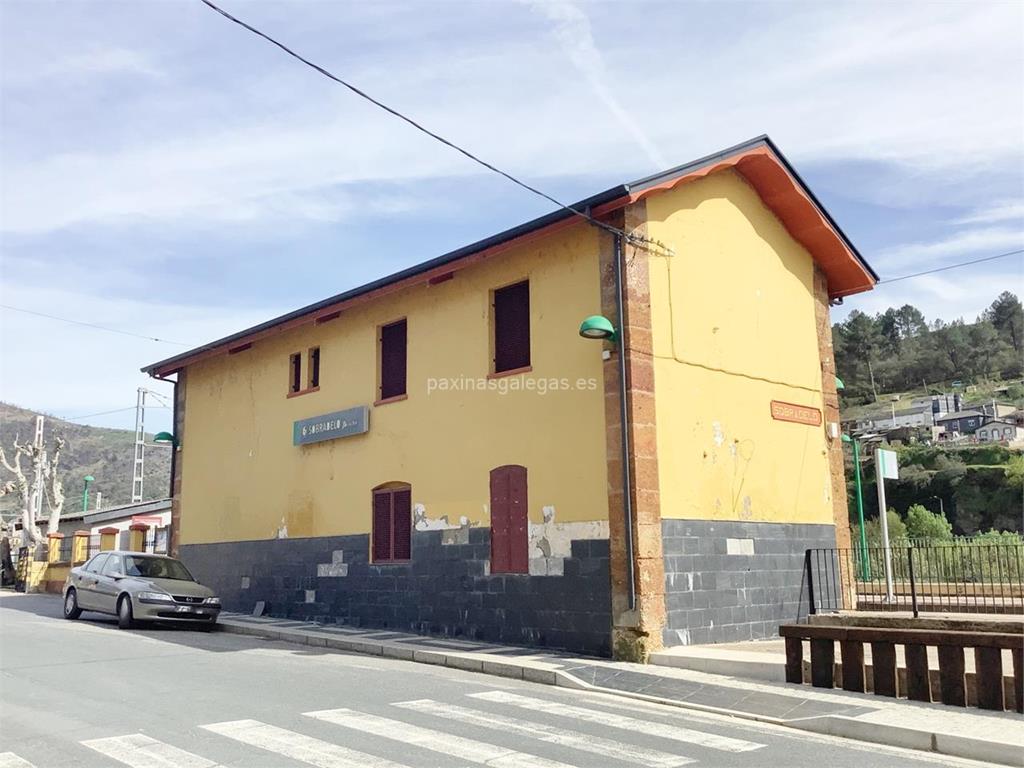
443 590
715 597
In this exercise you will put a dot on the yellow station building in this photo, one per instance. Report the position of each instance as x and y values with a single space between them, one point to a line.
442 450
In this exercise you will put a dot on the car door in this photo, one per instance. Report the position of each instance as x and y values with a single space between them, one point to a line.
108 586
85 583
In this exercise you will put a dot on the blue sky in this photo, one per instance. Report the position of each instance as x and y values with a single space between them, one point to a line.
166 173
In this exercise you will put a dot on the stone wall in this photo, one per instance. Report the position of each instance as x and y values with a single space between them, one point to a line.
732 581
446 589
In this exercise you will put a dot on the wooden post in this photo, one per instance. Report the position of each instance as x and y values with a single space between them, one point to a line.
883 667
853 665
108 538
919 684
53 552
988 665
952 687
823 663
80 547
794 660
137 537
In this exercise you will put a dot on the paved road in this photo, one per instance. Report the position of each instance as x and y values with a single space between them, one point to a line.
85 694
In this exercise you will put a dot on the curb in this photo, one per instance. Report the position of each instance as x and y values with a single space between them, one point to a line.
539 672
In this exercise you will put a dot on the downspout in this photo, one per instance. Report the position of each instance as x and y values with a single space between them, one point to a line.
627 497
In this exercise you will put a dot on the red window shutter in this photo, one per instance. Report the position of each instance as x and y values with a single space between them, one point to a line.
512 327
401 525
499 520
519 533
393 340
381 526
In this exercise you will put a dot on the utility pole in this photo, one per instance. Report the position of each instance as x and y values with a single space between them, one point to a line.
38 460
140 445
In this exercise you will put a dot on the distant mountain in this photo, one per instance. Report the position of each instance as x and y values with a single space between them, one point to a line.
106 454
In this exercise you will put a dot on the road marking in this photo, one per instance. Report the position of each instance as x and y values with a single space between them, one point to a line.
11 760
650 728
436 741
297 746
140 751
548 733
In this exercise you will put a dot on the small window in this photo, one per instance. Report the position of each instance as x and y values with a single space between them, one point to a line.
113 567
314 367
392 523
512 327
393 339
295 373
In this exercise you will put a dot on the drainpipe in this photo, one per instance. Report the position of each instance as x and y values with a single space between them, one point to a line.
627 499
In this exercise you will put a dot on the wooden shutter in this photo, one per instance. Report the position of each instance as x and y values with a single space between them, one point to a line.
393 340
510 536
401 524
295 373
381 526
512 327
499 520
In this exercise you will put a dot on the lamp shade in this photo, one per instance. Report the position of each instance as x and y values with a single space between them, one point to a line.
164 437
597 327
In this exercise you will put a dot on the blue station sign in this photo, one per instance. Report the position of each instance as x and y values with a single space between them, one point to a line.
330 426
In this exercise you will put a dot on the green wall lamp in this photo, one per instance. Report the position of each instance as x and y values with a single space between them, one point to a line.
165 437
598 327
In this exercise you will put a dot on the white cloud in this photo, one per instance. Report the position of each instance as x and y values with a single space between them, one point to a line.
998 212
972 243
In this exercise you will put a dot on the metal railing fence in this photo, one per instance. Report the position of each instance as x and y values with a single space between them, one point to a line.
954 577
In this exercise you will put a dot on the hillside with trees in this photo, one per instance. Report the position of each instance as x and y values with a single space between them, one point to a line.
899 350
106 454
979 488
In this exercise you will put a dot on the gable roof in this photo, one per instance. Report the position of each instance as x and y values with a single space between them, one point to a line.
960 415
759 161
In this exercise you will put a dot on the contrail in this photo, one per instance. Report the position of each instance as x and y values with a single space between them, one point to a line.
572 29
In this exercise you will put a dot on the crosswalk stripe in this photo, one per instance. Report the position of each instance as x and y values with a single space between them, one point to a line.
297 746
550 734
140 751
650 728
436 741
11 760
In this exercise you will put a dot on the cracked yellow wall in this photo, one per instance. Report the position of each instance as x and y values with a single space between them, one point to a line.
733 329
242 477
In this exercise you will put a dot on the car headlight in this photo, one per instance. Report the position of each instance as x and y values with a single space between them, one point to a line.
212 601
155 596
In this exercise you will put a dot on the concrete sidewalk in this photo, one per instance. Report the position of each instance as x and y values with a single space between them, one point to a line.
972 734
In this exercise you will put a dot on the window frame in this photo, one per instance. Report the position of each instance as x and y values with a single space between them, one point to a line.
395 396
295 373
498 325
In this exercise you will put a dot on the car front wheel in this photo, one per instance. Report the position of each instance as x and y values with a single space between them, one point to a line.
124 613
71 609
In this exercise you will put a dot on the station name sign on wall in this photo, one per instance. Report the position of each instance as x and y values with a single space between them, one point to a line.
798 414
330 426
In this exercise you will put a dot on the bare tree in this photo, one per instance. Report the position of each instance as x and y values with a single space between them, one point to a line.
47 469
29 530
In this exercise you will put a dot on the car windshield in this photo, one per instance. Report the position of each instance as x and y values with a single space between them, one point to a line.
156 568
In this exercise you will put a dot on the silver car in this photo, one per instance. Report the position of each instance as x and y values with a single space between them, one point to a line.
135 586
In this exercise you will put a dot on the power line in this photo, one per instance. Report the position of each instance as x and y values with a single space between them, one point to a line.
954 266
105 413
92 325
437 137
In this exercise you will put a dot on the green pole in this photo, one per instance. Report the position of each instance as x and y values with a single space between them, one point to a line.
85 493
865 565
